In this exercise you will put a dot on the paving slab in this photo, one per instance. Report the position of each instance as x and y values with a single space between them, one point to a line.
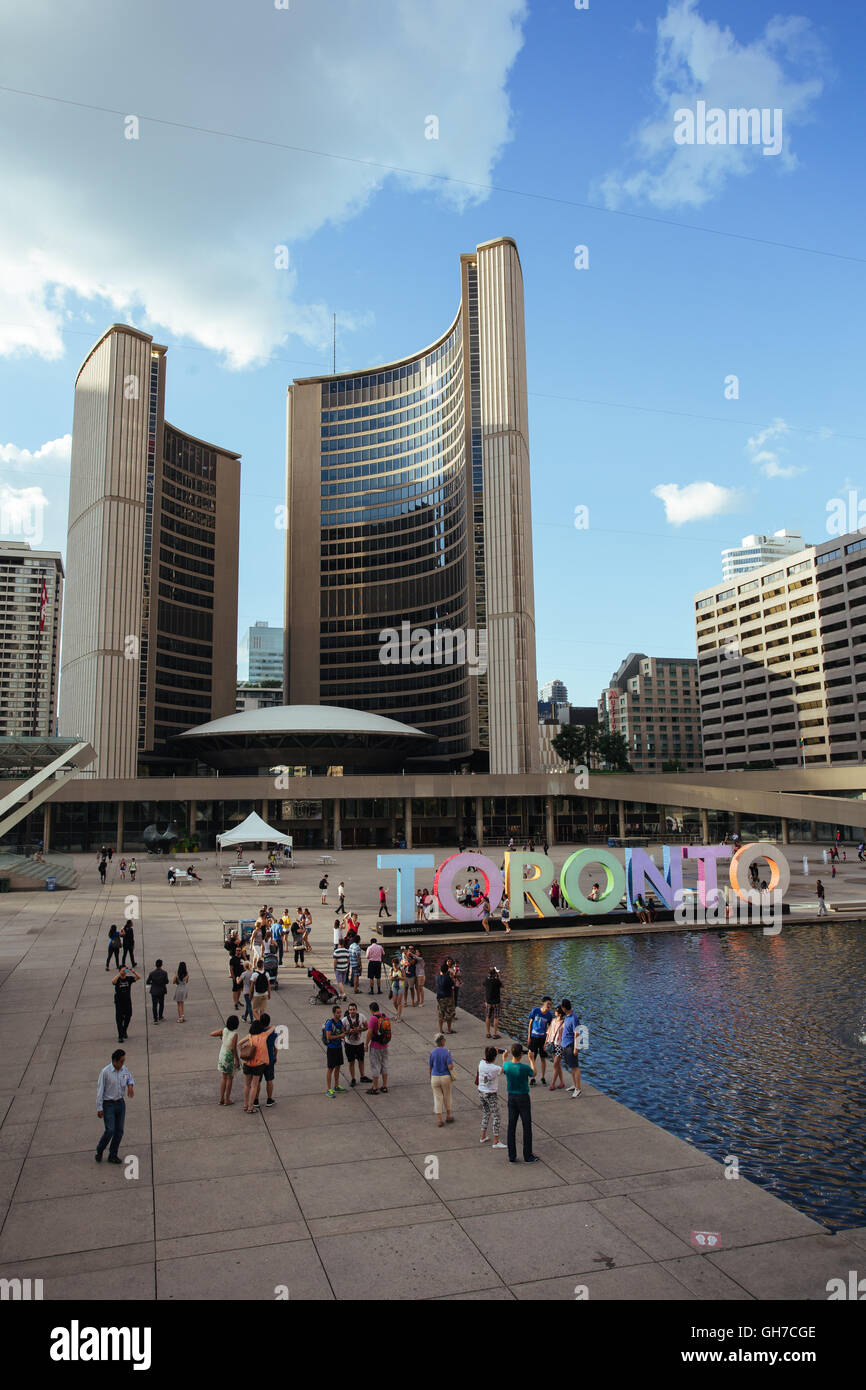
477 1172
644 1283
638 1149
795 1269
290 1271
333 1189
55 1225
305 1148
738 1211
437 1260
201 1204
570 1238
228 1155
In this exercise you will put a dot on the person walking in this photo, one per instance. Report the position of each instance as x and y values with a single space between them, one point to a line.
181 989
822 906
397 989
569 1047
383 901
333 1033
517 1078
376 1047
228 1061
553 1047
356 1027
122 867
113 947
307 927
157 983
260 990
341 968
341 894
445 996
487 1080
127 936
505 915
441 1065
133 869
323 888
493 999
860 848
457 977
116 1083
103 865
409 975
375 954
110 853
271 1067
540 1020
298 942
123 983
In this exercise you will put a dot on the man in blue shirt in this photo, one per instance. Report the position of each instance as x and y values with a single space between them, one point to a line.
567 1042
539 1021
115 1083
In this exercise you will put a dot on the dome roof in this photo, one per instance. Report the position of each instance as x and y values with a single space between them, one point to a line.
308 735
304 719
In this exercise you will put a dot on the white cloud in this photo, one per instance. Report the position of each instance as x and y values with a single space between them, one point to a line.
769 460
177 230
22 512
696 501
53 456
696 59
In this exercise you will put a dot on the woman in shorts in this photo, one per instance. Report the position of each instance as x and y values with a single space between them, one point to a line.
255 1065
420 972
553 1044
398 986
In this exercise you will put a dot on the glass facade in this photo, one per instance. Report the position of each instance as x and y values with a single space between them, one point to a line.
394 538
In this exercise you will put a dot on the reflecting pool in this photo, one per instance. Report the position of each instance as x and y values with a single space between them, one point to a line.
741 1043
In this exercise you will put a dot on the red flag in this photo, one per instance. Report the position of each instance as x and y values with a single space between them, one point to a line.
43 605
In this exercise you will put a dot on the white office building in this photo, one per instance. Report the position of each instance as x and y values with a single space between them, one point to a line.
757 551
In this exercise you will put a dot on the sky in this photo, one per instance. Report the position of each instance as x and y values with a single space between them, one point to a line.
227 176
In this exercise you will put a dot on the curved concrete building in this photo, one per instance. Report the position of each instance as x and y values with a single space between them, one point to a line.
152 558
409 515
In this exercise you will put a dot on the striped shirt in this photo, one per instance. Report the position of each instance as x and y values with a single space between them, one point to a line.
341 958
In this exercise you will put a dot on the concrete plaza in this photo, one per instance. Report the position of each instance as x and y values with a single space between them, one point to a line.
298 1198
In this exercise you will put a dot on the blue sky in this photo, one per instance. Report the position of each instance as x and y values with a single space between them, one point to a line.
627 359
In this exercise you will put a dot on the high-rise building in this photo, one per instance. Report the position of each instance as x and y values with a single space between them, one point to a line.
756 551
409 512
782 661
653 702
31 595
265 647
152 559
253 696
554 692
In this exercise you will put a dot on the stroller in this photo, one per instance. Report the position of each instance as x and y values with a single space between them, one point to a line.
326 993
270 965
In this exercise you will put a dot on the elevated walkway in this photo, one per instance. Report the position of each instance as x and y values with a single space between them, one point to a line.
46 764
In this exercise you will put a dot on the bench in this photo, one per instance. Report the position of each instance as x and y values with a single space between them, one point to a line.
858 906
327 859
263 876
240 871
181 877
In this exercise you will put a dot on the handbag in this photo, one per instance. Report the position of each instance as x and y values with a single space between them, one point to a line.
247 1050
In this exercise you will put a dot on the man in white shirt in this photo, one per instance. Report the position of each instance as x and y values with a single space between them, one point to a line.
114 1085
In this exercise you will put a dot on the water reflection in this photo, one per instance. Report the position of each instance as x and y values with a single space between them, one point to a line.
742 1043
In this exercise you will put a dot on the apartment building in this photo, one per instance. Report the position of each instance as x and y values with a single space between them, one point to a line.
653 702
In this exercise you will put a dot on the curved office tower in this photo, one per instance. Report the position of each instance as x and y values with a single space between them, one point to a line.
152 564
409 561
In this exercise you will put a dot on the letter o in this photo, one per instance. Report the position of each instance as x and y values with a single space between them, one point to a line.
443 884
742 861
614 876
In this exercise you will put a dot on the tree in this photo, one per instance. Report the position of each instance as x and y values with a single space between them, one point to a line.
673 766
613 751
570 745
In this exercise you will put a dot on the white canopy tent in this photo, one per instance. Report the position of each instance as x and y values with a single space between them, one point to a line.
252 831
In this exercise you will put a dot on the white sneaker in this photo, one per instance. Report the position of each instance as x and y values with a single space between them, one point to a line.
499 1145
574 1092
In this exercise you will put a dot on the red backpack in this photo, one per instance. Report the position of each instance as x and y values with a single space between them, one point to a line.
383 1030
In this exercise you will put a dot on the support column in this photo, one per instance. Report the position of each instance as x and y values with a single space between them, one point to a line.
550 824
479 821
338 829
705 828
814 830
393 830
407 820
785 837
118 843
46 827
191 818
663 828
620 815
736 822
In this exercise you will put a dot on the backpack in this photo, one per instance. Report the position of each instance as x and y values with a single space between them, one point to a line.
260 985
326 1036
383 1030
322 886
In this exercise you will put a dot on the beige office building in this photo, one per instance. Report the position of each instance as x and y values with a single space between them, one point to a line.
150 621
31 595
653 702
409 512
782 661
